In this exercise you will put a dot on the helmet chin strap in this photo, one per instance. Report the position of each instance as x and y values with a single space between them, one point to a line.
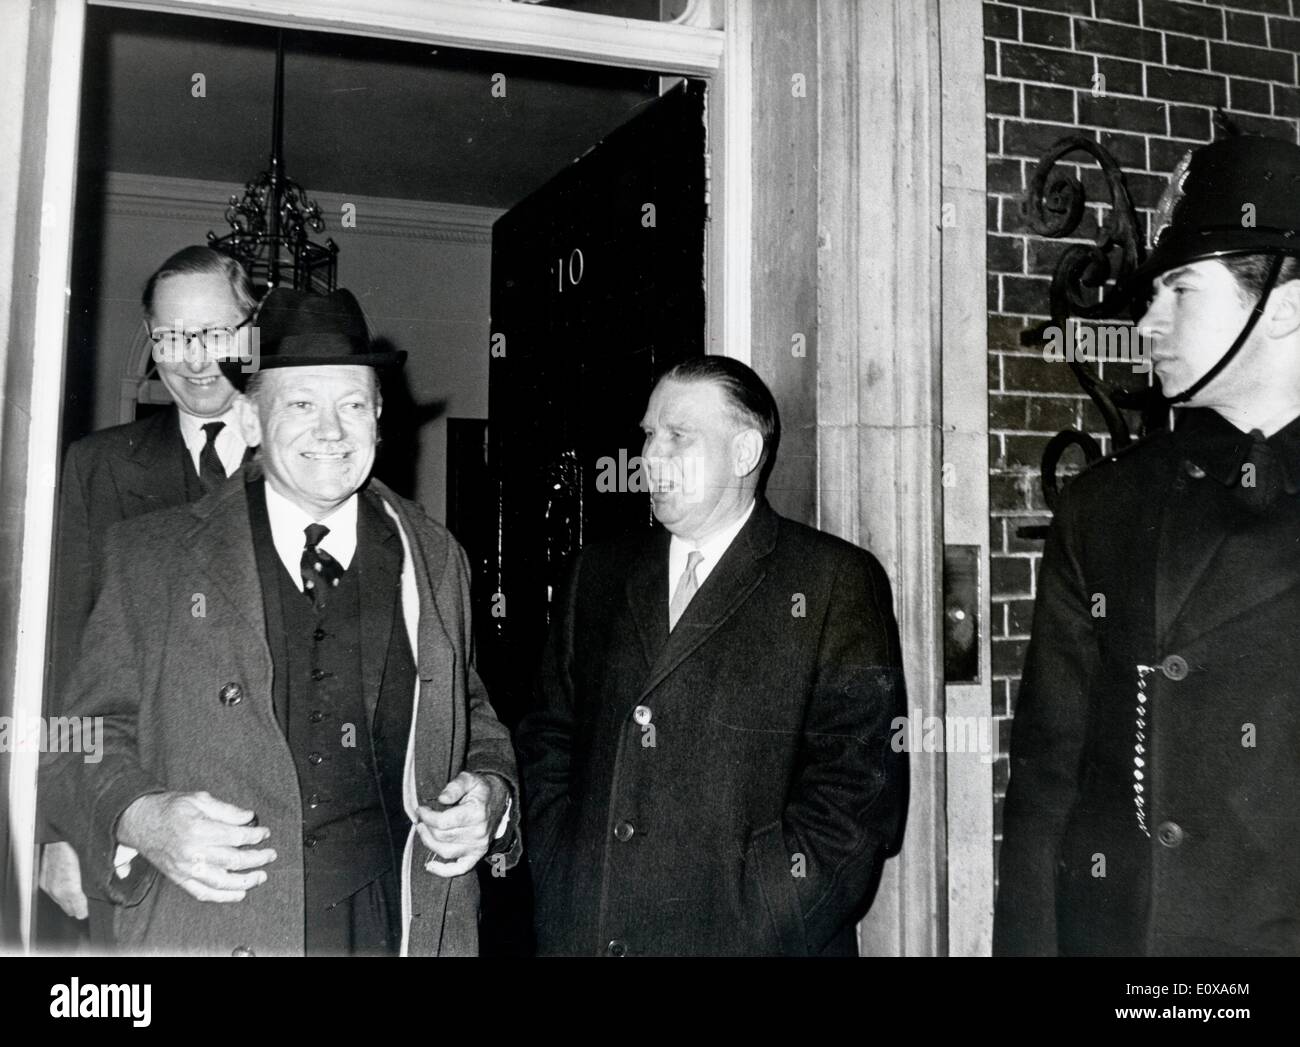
1275 268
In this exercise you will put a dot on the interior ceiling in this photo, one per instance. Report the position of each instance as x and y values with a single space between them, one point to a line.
364 116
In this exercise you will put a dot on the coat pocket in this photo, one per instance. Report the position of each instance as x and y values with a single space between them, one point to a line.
768 868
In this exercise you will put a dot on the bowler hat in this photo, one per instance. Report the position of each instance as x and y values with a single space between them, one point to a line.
304 329
1239 195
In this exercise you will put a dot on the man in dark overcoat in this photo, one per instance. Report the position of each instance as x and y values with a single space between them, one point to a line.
195 306
298 754
1154 799
709 768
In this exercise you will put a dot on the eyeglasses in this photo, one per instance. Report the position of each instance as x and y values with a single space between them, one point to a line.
221 343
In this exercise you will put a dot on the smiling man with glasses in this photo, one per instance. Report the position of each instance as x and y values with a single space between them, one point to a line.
197 308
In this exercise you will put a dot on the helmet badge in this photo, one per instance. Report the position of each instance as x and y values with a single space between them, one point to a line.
1170 198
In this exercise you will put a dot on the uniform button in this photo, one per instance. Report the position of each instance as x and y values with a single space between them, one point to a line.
310 841
315 759
318 635
623 831
1174 667
1170 834
1194 471
316 716
617 947
641 714
231 694
242 950
319 674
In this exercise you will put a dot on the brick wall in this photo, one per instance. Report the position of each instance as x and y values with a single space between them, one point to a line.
1143 77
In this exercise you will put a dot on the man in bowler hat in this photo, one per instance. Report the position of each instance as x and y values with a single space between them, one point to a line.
1154 801
299 756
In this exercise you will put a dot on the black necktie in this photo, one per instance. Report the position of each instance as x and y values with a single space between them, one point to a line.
211 471
320 571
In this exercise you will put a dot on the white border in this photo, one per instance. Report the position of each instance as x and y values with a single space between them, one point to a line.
48 351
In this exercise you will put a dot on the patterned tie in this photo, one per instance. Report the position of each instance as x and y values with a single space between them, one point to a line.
211 471
686 587
320 571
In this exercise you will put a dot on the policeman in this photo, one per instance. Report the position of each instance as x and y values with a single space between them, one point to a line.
1154 801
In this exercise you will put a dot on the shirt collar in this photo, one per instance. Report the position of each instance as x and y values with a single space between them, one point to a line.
289 522
711 549
192 427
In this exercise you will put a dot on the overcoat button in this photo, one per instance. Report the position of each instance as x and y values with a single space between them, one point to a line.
623 831
1170 834
231 694
641 714
1174 667
616 948
242 950
310 841
315 759
1194 471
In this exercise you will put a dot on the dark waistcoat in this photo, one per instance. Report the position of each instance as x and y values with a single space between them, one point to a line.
348 741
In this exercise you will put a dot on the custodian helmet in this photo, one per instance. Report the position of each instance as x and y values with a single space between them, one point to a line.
1239 195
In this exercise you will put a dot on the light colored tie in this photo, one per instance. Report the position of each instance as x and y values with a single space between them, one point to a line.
686 587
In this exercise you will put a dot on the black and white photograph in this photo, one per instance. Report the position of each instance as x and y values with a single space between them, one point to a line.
689 480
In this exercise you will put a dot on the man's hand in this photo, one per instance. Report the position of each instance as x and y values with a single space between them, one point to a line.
198 842
461 832
61 879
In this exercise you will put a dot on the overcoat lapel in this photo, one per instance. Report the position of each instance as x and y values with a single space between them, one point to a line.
380 579
152 476
727 587
647 595
221 544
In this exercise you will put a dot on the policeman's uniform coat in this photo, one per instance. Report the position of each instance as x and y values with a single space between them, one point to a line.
1154 799
730 787
175 659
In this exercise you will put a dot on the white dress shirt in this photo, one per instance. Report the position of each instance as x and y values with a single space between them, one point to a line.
289 522
229 443
711 550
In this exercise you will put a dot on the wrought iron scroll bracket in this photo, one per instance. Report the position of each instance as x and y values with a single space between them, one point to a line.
1054 207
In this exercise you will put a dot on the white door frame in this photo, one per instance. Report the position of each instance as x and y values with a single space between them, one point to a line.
489 25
